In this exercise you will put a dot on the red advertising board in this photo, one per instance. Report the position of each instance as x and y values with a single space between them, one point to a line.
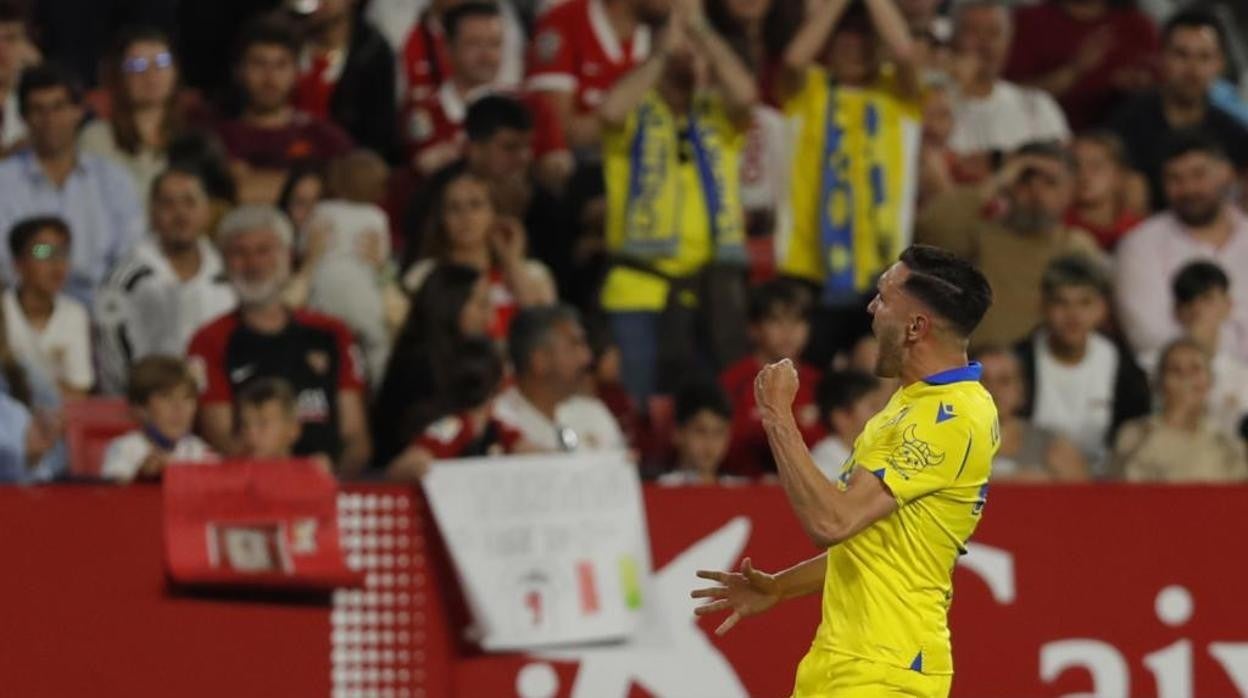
1108 590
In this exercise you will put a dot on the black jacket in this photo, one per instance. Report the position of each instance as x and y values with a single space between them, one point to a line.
363 103
1132 395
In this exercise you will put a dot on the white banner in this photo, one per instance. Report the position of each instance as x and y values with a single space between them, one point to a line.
550 549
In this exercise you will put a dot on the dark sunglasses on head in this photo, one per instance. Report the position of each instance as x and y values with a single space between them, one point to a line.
142 64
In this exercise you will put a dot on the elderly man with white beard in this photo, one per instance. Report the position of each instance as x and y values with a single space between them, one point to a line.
264 338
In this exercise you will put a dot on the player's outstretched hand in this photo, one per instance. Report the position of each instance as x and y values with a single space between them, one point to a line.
746 593
776 387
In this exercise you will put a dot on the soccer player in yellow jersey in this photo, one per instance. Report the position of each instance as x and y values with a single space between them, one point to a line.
907 500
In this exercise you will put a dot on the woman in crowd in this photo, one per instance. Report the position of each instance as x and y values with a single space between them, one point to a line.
303 190
1028 453
759 30
467 230
144 109
452 304
1181 443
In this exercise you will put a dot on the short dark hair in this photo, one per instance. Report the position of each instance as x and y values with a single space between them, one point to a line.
777 296
267 30
531 328
156 374
1193 140
949 285
1194 18
1197 279
474 376
26 229
1108 140
839 390
1074 271
493 113
13 12
1052 150
176 170
46 76
452 20
701 396
262 391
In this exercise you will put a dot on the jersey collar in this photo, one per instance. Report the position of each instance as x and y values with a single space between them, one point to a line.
969 372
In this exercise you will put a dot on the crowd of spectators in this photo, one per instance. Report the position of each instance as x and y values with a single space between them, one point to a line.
383 233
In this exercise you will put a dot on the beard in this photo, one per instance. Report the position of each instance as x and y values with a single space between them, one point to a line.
254 294
1030 221
888 360
1197 213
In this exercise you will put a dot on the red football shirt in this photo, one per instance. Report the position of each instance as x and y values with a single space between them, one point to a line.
439 120
318 76
304 138
749 453
454 437
1106 236
575 50
426 58
1047 37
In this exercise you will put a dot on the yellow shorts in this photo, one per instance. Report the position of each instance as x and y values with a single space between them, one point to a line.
830 675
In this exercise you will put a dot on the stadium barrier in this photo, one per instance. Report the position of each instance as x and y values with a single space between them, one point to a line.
1108 590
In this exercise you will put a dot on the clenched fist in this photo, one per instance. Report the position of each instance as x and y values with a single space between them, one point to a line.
775 388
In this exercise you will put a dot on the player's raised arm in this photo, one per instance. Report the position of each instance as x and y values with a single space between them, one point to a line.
827 514
749 592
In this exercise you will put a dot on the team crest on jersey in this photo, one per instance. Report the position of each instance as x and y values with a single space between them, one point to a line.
318 361
913 455
548 44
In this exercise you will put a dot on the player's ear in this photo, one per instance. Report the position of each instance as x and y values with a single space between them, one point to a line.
917 327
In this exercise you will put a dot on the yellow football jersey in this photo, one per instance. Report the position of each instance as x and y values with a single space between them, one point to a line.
887 590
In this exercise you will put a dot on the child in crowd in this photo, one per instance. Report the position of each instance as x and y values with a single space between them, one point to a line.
163 395
347 244
779 328
469 428
1028 453
1180 444
847 401
703 431
46 327
1084 385
1108 201
268 420
1202 306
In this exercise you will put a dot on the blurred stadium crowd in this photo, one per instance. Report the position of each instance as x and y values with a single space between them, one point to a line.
379 233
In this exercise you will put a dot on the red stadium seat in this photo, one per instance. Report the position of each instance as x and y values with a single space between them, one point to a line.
90 424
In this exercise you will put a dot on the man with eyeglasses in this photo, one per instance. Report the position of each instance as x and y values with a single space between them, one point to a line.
550 357
44 327
93 195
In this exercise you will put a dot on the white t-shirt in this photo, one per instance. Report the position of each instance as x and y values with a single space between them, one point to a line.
830 455
1077 401
581 423
126 453
62 348
144 308
1006 119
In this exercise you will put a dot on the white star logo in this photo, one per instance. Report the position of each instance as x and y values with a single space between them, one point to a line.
670 655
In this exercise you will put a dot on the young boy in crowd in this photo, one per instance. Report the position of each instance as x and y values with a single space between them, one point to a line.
163 396
847 400
1084 386
268 420
703 431
46 327
779 328
1202 306
1108 198
468 428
